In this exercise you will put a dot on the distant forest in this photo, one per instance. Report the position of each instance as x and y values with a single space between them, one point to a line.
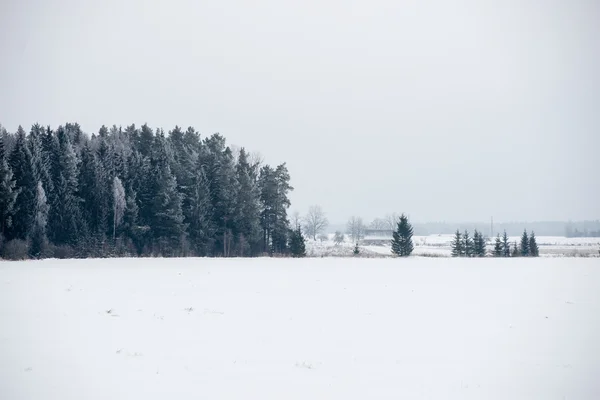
137 192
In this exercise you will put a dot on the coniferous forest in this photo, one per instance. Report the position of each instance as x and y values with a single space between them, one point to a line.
137 191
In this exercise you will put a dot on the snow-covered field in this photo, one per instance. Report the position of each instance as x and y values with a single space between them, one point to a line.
440 246
332 328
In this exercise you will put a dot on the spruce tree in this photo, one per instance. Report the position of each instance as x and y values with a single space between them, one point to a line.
246 208
356 250
479 244
524 244
534 250
297 246
468 246
8 192
199 214
402 244
38 239
505 246
515 250
458 249
498 247
20 164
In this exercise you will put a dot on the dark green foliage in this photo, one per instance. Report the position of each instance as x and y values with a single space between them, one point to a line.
505 246
20 164
458 249
498 247
468 245
524 248
479 244
178 195
356 250
402 244
8 191
515 251
38 246
534 250
297 246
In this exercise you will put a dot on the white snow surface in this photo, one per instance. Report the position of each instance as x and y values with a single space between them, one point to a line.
330 328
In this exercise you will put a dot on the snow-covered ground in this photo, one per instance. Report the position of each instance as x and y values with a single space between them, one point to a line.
440 246
331 328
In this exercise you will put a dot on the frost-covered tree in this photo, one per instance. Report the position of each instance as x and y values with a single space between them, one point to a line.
315 221
355 228
338 238
119 204
38 238
20 164
8 191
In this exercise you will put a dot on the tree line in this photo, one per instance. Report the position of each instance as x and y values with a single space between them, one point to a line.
463 245
137 192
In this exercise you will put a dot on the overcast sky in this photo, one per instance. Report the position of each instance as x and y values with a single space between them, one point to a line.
446 110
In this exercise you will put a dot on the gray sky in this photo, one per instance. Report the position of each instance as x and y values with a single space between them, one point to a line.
446 110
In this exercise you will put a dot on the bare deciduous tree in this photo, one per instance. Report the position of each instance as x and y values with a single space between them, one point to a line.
296 220
355 228
315 221
378 223
391 221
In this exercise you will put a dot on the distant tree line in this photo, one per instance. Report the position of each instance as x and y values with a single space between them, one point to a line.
465 246
137 192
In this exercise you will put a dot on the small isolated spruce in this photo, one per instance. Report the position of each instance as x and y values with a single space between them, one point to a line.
356 250
498 247
524 244
402 244
457 245
534 250
297 246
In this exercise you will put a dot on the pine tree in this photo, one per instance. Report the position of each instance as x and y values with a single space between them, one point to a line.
468 245
534 250
119 204
515 250
524 244
297 246
479 249
498 247
8 192
199 214
20 164
402 244
247 207
38 238
505 246
458 249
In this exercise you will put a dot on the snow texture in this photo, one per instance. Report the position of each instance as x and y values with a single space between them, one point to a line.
332 328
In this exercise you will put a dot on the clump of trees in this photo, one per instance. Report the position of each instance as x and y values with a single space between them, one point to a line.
402 244
465 246
138 191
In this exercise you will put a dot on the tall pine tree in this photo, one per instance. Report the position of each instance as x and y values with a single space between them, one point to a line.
524 248
534 250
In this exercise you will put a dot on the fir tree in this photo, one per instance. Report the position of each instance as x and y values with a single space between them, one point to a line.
524 244
479 244
297 246
20 164
402 244
8 192
38 238
468 246
505 246
498 247
534 250
458 249
515 250
246 208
